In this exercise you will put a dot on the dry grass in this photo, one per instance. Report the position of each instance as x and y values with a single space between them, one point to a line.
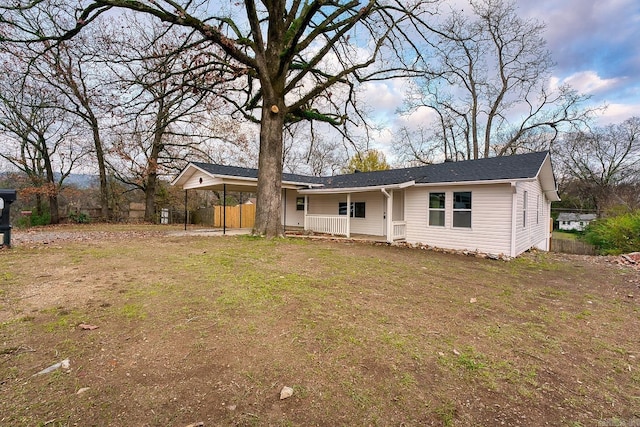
209 329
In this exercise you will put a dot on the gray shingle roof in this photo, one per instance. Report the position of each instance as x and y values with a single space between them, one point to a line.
490 169
253 173
571 216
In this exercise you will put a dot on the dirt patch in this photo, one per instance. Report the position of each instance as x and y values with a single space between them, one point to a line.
209 329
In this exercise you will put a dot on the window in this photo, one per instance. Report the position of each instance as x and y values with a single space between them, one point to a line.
524 209
299 203
436 209
462 209
357 209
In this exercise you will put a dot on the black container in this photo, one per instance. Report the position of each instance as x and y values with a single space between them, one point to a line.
8 197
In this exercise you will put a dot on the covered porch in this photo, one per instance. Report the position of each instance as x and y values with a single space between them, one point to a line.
376 214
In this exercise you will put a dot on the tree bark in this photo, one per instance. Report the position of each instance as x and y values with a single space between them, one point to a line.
152 179
102 170
52 188
269 193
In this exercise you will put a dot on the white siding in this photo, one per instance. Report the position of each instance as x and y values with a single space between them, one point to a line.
573 225
490 230
291 216
195 180
375 204
398 205
535 233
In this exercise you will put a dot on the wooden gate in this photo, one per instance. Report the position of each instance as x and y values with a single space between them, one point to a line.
239 216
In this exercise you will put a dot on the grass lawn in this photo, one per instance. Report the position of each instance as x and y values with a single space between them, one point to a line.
194 329
564 235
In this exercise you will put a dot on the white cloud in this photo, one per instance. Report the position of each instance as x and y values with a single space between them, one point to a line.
586 82
381 97
420 117
617 113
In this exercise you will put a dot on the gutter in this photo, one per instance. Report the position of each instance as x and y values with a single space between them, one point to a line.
382 188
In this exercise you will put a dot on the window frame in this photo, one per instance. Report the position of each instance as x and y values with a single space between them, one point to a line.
459 210
300 206
441 210
356 209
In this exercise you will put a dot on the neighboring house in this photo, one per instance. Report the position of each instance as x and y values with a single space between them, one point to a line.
574 221
499 205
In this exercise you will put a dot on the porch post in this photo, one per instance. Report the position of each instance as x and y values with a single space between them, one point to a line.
348 215
284 216
306 211
185 210
224 207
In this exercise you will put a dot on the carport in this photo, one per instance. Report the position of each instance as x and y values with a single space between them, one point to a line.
206 176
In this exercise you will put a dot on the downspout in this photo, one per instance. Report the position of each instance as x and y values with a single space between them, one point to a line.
224 209
306 212
514 213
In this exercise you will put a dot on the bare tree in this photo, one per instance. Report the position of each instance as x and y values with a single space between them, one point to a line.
296 60
321 156
39 141
71 69
487 81
166 117
604 162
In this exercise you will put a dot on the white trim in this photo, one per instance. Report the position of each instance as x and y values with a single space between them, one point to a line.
514 216
242 179
492 182
355 189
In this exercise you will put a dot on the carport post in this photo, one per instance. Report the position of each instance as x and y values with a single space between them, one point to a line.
240 209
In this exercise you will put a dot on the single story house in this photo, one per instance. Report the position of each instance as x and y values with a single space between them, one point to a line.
499 205
574 221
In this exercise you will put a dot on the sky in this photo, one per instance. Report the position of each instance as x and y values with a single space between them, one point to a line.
595 45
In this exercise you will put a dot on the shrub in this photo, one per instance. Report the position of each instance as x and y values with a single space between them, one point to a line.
79 217
615 235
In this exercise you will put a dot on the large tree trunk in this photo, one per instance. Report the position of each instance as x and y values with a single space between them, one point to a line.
150 198
102 170
152 179
53 207
269 194
152 162
52 188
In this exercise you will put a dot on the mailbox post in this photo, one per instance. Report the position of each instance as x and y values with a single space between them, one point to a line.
6 198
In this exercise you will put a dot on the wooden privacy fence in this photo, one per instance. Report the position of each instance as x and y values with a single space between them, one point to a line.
567 246
239 216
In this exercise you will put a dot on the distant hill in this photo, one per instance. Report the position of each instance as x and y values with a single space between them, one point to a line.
80 180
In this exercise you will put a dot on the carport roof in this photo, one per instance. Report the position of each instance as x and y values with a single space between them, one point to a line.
237 171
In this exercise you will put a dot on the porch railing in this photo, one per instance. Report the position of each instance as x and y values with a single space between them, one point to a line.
328 224
399 230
